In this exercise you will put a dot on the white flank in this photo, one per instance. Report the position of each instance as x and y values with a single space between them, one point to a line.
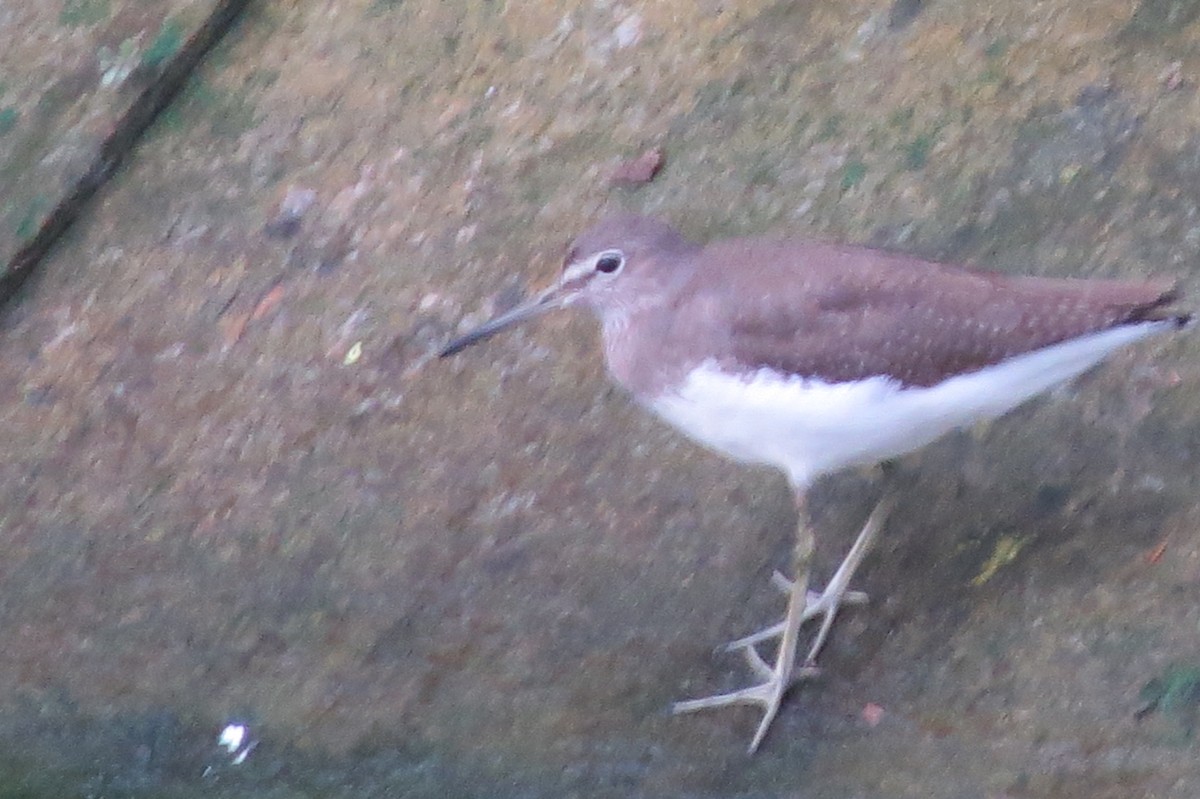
808 427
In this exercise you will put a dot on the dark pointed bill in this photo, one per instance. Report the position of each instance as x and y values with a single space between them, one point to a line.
548 300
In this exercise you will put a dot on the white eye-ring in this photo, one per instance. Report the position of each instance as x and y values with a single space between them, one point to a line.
610 261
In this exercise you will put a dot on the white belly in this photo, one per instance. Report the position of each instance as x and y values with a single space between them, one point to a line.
808 428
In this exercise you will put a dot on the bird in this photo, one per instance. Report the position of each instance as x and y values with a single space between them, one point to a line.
813 358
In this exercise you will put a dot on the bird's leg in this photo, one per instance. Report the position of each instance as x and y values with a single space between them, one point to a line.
835 593
827 602
778 678
817 604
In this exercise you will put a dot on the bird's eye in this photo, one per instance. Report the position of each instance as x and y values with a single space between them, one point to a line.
609 262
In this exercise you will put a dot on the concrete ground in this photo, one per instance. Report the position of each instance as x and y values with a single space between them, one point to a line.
234 485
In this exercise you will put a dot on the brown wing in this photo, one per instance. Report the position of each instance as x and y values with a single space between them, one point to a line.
846 313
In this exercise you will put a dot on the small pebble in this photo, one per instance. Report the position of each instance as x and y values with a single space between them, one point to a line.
295 204
642 169
629 32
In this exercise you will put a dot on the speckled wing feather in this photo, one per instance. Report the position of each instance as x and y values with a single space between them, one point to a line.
849 313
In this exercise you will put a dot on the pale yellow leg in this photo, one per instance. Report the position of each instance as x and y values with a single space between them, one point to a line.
777 679
801 607
836 594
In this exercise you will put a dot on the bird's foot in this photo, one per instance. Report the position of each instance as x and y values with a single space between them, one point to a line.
768 694
802 606
825 603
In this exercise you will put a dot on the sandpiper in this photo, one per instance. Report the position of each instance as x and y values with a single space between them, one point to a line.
816 357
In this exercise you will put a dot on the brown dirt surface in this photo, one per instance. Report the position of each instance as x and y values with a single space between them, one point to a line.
234 485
